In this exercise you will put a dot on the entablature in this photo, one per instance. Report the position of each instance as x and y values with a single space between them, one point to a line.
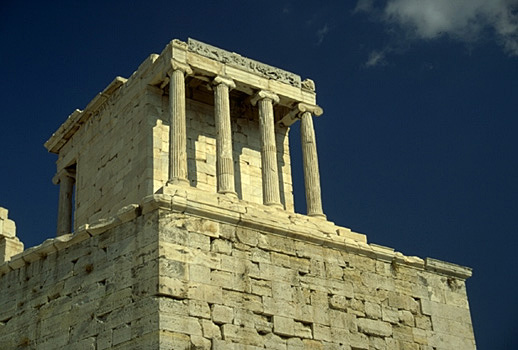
202 63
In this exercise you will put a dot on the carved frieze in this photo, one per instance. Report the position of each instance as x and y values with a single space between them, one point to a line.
236 60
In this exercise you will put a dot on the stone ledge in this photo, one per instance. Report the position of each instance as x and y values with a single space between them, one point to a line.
82 233
301 227
230 210
74 120
448 269
153 70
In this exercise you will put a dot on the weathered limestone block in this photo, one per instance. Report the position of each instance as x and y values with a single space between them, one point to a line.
390 314
210 330
406 318
222 314
7 226
272 341
372 310
283 326
10 245
241 335
373 327
200 343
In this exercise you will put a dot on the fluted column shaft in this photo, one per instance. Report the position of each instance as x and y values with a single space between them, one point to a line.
177 129
66 189
224 160
269 168
310 161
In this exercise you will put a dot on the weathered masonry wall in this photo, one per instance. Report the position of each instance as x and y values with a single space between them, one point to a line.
228 278
120 153
213 255
112 155
261 290
194 114
9 244
201 153
83 292
201 135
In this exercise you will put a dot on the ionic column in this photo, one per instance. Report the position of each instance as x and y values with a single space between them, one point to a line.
224 161
271 194
310 159
66 180
177 129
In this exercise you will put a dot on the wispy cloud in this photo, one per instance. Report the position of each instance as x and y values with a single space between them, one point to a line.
465 21
321 33
376 58
364 6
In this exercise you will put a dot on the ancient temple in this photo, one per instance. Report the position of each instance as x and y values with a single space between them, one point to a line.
177 230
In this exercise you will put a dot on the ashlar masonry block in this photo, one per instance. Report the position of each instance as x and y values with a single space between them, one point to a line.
10 245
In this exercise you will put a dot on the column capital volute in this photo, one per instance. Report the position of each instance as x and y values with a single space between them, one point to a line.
315 110
224 80
181 66
297 111
264 94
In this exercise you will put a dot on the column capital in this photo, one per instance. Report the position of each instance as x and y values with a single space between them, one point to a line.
224 80
313 109
298 110
177 65
264 94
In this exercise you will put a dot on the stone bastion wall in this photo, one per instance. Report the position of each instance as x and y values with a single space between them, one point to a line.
187 270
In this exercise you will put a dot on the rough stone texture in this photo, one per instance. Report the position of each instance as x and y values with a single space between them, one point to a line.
7 226
119 145
163 279
159 264
89 292
9 244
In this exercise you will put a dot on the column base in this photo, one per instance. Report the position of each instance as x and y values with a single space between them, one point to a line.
318 216
229 193
178 181
275 205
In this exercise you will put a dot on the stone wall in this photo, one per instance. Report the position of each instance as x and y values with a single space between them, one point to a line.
83 292
177 272
236 288
201 134
201 152
116 150
112 155
190 268
9 244
121 153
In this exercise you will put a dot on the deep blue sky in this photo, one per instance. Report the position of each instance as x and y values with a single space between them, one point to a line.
418 142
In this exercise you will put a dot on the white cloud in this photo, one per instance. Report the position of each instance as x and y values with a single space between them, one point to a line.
376 58
462 20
